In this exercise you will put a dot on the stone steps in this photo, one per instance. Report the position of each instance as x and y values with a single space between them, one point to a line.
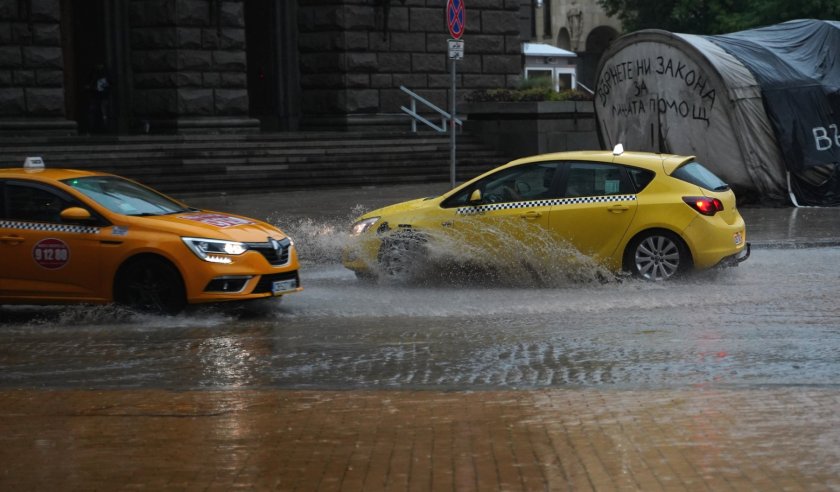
240 163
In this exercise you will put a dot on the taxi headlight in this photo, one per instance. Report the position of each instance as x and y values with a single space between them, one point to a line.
363 225
214 250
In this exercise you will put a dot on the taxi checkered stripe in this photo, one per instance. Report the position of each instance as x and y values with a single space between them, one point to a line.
543 203
39 226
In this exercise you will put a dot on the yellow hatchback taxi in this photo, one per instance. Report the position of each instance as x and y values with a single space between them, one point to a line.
69 236
654 216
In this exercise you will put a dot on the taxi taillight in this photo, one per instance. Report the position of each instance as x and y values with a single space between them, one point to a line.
704 205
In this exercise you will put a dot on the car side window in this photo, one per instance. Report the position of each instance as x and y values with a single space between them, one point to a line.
514 184
596 179
640 177
33 203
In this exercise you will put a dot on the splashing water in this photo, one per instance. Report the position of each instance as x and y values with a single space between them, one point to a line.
506 253
319 241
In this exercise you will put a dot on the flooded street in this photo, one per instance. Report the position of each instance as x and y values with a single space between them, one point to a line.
771 321
724 380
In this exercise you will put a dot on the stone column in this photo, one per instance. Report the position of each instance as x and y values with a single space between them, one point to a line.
188 59
32 69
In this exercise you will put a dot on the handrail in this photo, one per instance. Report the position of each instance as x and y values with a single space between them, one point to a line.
587 89
415 116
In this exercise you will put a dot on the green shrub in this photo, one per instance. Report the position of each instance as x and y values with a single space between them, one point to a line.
535 89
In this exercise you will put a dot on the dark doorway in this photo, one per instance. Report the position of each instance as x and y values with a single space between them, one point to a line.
261 59
92 35
273 81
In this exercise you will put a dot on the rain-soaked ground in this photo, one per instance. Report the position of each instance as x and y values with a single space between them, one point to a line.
771 321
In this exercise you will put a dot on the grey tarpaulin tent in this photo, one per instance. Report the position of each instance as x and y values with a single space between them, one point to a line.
760 108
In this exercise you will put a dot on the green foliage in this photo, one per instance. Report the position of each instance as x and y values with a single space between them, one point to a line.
535 89
715 16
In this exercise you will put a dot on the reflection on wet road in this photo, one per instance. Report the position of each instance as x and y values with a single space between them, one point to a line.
771 321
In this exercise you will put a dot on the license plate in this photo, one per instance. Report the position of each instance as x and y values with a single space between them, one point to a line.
738 238
281 286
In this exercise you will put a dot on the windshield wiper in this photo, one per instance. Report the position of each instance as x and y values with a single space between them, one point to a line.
722 187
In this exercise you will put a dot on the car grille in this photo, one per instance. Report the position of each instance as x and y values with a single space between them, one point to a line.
275 256
264 284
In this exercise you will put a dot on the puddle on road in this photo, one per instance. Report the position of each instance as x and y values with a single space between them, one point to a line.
575 286
770 321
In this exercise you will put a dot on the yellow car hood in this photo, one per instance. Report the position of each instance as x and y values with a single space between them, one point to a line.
212 225
404 207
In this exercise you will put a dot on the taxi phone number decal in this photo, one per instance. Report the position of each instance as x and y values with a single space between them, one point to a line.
51 253
217 220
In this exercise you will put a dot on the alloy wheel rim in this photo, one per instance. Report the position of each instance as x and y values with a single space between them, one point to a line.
657 258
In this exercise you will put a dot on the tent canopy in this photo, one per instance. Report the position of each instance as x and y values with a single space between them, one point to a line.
761 108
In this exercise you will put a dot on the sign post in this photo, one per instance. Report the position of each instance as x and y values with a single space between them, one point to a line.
456 20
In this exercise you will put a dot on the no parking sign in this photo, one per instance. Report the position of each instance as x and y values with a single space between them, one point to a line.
456 17
456 20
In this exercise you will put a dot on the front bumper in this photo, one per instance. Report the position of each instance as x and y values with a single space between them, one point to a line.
250 277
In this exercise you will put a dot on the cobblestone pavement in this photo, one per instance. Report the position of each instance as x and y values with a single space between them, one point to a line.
557 439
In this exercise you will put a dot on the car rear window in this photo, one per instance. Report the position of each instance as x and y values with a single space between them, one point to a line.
695 173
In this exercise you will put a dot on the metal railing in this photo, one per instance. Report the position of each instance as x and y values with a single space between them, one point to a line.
415 116
587 89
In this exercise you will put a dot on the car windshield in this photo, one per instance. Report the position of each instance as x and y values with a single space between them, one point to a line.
125 197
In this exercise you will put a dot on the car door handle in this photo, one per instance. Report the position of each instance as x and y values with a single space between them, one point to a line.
11 239
617 209
531 215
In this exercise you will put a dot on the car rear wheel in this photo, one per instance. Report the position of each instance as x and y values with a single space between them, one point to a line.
657 255
151 285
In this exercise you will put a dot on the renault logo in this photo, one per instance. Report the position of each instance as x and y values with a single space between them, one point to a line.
276 245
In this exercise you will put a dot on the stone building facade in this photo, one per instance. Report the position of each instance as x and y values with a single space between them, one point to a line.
581 26
235 65
31 66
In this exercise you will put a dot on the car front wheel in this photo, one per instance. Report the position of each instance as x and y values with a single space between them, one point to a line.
151 285
657 255
399 258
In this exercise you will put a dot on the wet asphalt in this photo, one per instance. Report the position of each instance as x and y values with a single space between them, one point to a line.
725 380
772 320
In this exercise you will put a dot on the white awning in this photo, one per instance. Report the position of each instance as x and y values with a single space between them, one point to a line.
536 49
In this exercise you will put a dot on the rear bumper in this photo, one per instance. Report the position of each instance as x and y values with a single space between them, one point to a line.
737 258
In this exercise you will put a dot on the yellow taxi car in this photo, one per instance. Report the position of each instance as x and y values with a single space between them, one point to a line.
654 216
69 236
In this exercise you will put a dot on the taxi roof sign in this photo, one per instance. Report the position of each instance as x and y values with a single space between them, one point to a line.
33 162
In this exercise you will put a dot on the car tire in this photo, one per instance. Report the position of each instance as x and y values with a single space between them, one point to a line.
365 277
657 255
399 258
150 285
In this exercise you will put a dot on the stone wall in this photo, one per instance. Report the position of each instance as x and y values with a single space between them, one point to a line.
529 128
189 64
31 66
181 65
355 54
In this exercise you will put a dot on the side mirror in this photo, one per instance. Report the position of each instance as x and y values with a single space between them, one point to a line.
475 196
77 214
